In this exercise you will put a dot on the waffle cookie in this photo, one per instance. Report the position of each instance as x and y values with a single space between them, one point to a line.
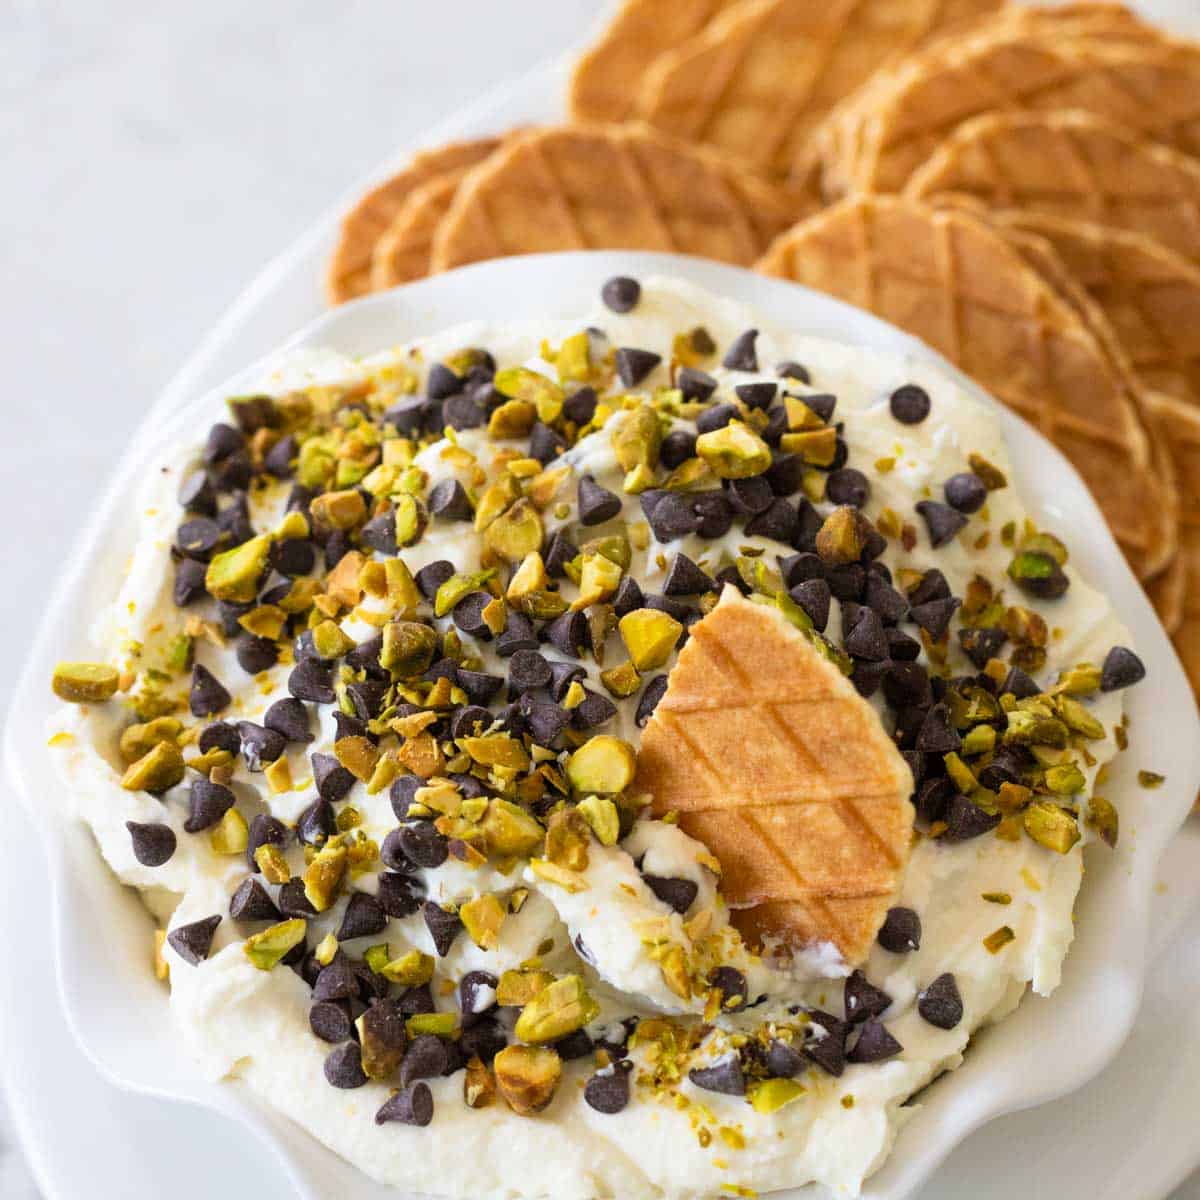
774 761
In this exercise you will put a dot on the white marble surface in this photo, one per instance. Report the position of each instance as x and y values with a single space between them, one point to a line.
154 156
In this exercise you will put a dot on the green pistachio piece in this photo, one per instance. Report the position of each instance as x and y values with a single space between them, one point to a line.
497 498
408 647
339 510
323 876
527 1077
513 419
621 681
329 640
960 774
603 764
793 613
1047 543
1077 718
383 1040
482 918
138 740
533 388
1080 680
1066 779
979 740
568 837
528 579
1039 574
231 834
517 988
1051 826
156 771
649 636
234 574
636 441
461 361
615 547
441 1025
1102 818
993 478
599 578
772 1094
456 587
317 463
734 451
1033 729
409 970
515 533
541 606
842 536
509 831
602 817
692 475
265 949
818 447
562 1008
411 519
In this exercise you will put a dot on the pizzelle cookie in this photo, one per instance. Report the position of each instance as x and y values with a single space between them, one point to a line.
1070 164
605 80
349 274
950 279
596 187
772 759
759 79
1141 80
404 249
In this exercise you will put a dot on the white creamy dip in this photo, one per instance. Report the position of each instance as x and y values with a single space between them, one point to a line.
243 1022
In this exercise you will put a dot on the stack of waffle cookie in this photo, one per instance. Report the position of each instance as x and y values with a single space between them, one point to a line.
1018 186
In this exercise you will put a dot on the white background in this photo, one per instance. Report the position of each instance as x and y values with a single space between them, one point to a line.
152 157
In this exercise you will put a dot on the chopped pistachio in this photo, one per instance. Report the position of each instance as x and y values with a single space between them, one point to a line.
997 897
979 740
139 740
998 939
509 831
815 446
440 1024
530 577
772 1094
567 839
603 764
234 574
1151 779
734 451
85 683
479 1084
527 1077
649 636
637 439
621 681
1065 779
1051 826
265 949
326 950
231 834
496 750
339 510
323 876
515 533
358 754
513 419
1038 574
602 817
563 877
535 389
482 918
497 498
1080 680
272 863
1077 718
842 536
157 770
1102 819
599 578
411 969
408 648
556 1011
993 478
456 588
518 988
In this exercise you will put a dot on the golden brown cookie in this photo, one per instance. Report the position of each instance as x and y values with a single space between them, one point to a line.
596 187
350 267
773 760
404 249
949 278
761 77
606 77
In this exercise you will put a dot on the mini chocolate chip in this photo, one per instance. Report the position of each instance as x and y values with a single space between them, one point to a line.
1122 668
189 582
847 486
443 926
932 797
289 717
479 686
208 802
330 1021
596 504
847 581
1021 685
425 1058
336 547
518 635
741 354
731 983
592 711
292 901
252 902
448 499
940 1003
198 538
884 599
813 596
934 615
793 370
749 496
256 654
863 999
431 577
677 447
293 557
941 521
365 657
633 365
192 942
311 680
717 417
866 639
607 1091
265 830
938 735
982 644
220 735
756 395
783 1061
332 779
196 493
476 996
652 693
278 460
965 820
621 293
780 522
785 474
443 668
906 684
562 675
527 671
822 403
696 386
874 1044
810 522
725 1076
545 722
545 444
398 894
799 568
867 676
222 441
153 844
715 514
669 514
628 597
468 615
965 492
207 695
464 411
392 852
580 405
411 1106
338 980
909 404
364 917
675 893
901 647
828 1052
472 719
441 382
901 931
402 794
379 533
260 746
343 1067
423 845
684 578
558 551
